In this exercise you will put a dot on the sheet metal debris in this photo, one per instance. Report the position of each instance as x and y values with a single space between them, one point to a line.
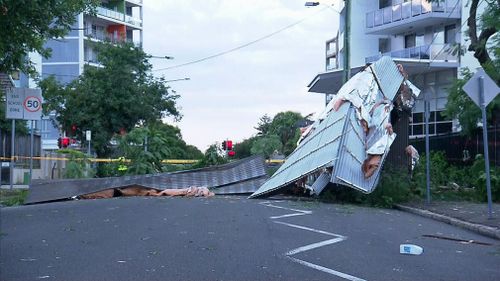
242 176
351 138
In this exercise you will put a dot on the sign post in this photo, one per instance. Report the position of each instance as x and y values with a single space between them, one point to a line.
25 104
482 90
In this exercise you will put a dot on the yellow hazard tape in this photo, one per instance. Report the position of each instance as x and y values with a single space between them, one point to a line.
167 161
99 160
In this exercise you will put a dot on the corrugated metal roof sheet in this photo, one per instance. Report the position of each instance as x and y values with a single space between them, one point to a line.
339 141
243 176
315 152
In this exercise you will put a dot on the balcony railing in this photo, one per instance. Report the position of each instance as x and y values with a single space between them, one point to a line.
118 16
409 9
139 2
108 37
425 53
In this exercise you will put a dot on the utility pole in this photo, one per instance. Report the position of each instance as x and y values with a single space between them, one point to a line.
347 35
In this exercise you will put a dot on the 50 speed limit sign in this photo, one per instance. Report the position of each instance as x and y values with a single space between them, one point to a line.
32 104
24 103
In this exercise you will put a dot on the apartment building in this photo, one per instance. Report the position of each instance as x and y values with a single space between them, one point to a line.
114 21
423 36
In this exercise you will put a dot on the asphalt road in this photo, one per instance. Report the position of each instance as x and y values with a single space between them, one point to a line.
232 238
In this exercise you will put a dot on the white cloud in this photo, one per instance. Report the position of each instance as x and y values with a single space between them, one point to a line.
227 95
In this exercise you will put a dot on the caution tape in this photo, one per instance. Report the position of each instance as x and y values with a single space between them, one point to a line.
110 160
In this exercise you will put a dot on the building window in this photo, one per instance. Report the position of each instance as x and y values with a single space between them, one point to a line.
437 124
410 40
450 34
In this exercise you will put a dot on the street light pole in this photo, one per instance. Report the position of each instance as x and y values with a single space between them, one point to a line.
347 35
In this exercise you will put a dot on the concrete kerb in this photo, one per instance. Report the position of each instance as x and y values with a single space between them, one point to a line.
489 231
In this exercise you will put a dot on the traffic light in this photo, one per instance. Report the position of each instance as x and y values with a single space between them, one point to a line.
65 142
224 147
229 145
231 153
59 142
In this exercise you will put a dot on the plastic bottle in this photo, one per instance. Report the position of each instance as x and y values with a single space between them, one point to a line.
410 249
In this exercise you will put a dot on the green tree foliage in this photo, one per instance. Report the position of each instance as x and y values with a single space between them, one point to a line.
78 166
26 25
145 158
485 45
267 145
264 125
111 99
480 44
285 126
213 156
243 149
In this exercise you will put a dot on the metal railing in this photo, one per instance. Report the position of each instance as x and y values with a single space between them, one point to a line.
118 16
410 9
426 53
108 37
139 2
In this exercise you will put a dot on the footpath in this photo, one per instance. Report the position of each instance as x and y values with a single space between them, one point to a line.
468 215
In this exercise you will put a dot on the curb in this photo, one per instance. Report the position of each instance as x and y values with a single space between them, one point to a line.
489 231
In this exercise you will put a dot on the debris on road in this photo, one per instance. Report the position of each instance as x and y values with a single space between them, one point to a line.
238 177
463 241
350 140
410 249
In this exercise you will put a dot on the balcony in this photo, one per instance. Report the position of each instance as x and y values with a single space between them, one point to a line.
409 15
121 17
435 55
136 2
100 36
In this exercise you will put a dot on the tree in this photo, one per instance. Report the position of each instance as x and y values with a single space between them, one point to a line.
485 45
264 125
26 25
489 26
243 149
267 145
285 125
112 99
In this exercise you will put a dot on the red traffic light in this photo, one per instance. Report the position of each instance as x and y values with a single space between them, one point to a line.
231 153
229 145
65 142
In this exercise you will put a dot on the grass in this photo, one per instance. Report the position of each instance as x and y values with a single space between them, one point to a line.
13 197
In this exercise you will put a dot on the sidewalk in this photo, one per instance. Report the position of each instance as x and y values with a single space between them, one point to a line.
472 216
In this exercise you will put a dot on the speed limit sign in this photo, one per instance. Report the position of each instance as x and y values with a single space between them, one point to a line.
23 103
32 104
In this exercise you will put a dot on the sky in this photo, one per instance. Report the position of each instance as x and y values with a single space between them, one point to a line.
227 95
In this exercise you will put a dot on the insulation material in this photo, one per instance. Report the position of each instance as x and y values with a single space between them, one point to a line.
352 136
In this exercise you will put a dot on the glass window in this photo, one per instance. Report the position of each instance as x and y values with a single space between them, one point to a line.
444 127
418 117
418 129
410 40
450 34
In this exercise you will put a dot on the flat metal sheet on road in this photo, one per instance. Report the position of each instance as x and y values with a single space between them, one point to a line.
242 176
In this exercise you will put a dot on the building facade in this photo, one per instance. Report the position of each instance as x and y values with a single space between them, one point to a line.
425 37
114 21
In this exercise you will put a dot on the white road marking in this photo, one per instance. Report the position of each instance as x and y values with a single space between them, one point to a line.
327 270
338 238
287 216
314 246
310 229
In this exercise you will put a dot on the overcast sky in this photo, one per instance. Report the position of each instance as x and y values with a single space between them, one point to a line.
227 95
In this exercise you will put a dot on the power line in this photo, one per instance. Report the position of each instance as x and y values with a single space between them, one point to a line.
244 45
